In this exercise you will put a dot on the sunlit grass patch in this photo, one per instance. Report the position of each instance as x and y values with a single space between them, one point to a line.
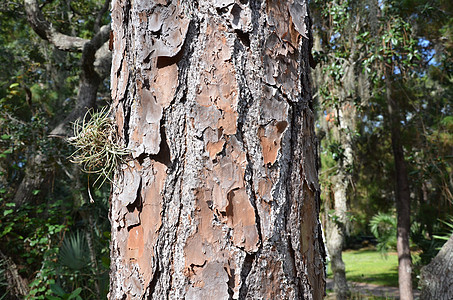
370 266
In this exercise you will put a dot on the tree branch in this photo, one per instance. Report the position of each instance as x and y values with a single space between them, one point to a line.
47 32
97 22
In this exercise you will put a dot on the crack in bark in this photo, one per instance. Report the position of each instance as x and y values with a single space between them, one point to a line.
163 156
244 97
230 282
152 284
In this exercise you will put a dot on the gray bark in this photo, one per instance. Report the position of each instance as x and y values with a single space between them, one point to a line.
17 287
436 278
220 197
337 229
339 126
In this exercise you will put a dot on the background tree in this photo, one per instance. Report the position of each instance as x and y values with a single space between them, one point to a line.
219 198
340 84
389 38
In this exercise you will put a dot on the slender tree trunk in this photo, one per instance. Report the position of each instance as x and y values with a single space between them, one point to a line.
403 200
340 124
220 197
336 237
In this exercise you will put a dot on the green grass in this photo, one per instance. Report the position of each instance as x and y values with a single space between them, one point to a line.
370 266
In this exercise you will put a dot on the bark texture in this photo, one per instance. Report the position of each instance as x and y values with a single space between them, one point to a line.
220 197
16 286
436 278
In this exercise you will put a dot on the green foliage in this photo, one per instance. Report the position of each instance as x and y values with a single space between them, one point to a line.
446 235
62 295
383 227
74 252
38 88
35 237
409 43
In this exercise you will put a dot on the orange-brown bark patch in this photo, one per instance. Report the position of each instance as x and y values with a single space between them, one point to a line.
135 243
270 138
264 188
241 217
218 86
165 83
214 148
120 120
150 219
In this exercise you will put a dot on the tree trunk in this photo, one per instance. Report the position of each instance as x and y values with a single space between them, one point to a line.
436 278
403 200
337 226
220 197
339 127
16 286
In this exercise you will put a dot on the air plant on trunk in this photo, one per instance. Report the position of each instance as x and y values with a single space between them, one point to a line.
97 147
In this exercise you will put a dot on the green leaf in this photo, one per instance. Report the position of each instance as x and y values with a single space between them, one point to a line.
5 136
7 230
7 212
35 192
75 293
14 85
57 290
8 151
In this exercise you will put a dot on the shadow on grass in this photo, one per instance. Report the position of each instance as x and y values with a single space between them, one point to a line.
386 279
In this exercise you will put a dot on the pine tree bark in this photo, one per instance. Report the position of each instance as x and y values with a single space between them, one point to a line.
436 278
220 197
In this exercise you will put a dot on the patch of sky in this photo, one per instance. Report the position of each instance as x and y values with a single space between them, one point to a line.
428 51
334 36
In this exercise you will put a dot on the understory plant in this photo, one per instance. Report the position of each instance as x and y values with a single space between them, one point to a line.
383 227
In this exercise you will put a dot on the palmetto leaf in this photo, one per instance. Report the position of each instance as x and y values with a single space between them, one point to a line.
74 251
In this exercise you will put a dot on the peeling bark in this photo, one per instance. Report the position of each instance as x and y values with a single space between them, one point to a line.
220 197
